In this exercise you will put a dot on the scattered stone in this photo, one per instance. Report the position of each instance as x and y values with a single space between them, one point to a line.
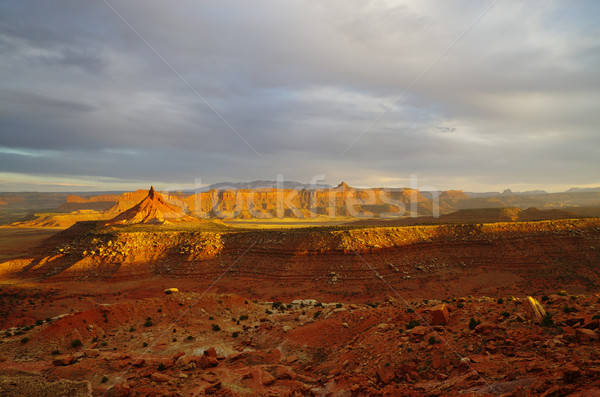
585 335
66 359
386 374
91 352
211 352
160 377
170 291
571 373
420 330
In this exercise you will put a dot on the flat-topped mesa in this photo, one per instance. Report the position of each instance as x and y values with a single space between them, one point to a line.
152 209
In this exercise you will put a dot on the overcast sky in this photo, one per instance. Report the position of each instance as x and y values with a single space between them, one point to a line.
88 104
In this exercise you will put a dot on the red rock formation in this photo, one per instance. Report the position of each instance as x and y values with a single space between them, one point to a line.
152 209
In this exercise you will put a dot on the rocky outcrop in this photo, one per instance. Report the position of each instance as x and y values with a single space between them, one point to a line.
153 210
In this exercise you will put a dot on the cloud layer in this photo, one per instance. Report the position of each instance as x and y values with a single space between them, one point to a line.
84 98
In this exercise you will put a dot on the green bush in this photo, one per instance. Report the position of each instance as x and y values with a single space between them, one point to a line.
235 334
215 327
412 323
104 379
317 314
243 317
75 343
161 367
24 340
148 322
432 340
473 323
547 320
505 314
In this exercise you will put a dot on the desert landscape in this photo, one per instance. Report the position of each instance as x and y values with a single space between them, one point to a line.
299 198
154 301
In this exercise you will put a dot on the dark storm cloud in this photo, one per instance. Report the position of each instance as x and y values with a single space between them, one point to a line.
515 102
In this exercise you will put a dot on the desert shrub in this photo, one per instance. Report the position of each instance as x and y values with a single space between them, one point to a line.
174 339
190 337
24 340
596 317
318 304
460 305
148 322
145 344
567 309
547 320
235 334
268 311
317 314
473 323
75 343
161 367
211 318
338 305
104 379
500 301
215 327
243 317
410 310
545 298
412 323
103 344
432 340
505 314
55 352
426 301
39 322
131 329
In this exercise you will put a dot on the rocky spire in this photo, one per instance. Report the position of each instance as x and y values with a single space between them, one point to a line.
151 192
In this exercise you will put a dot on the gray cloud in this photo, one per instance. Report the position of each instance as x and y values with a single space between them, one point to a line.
515 102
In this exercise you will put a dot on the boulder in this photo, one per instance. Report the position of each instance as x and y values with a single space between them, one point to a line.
169 291
439 315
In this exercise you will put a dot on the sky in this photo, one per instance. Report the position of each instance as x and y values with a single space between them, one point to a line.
479 96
